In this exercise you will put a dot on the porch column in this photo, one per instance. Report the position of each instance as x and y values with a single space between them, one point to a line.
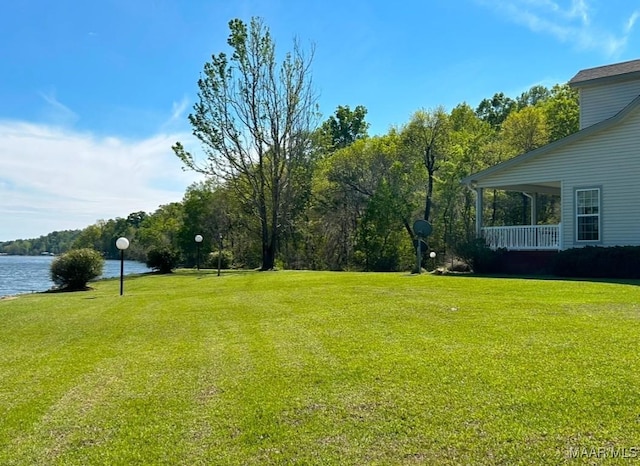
534 208
479 209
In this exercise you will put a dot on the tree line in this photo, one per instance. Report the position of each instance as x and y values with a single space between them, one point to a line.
329 196
55 242
285 189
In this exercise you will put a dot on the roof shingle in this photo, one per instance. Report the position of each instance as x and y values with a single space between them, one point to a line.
608 71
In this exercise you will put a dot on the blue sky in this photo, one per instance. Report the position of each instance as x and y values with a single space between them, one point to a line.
93 94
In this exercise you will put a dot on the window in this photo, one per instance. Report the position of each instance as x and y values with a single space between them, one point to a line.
588 214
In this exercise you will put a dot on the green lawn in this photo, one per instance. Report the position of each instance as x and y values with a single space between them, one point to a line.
322 368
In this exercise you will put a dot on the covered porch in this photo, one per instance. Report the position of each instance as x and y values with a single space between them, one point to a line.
531 237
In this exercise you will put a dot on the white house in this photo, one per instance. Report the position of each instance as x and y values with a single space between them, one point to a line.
596 171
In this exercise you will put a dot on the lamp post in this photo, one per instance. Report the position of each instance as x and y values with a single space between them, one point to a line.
219 253
432 255
122 244
198 239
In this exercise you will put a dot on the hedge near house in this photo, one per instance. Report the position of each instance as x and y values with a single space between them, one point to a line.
598 262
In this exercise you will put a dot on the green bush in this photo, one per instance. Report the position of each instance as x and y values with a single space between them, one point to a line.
226 260
74 269
598 262
163 259
479 256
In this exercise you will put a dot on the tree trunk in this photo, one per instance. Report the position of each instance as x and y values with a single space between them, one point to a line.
268 256
428 202
267 252
407 227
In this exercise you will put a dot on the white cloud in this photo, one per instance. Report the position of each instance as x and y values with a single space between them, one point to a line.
55 179
580 9
177 113
631 21
56 111
568 21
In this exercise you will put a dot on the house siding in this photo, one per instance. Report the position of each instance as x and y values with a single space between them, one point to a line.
608 159
597 103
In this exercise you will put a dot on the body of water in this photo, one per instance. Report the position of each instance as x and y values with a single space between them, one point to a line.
28 274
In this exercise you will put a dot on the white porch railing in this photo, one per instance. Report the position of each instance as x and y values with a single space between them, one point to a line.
525 237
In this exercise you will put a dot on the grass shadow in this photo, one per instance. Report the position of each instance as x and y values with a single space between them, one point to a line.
66 290
618 281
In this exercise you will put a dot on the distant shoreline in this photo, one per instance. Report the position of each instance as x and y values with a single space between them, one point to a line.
28 255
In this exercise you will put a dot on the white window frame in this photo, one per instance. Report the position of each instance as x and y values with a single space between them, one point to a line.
597 215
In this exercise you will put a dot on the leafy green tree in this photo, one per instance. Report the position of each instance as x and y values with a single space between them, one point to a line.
244 228
426 138
254 119
112 230
525 130
135 219
90 237
381 243
102 237
562 111
534 96
162 228
470 138
326 207
340 194
206 212
496 110
363 197
344 128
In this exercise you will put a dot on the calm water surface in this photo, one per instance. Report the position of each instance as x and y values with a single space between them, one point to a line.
28 274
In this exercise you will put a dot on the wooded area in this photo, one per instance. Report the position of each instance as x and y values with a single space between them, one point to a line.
284 191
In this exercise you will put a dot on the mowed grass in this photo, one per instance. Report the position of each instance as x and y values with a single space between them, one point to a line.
321 368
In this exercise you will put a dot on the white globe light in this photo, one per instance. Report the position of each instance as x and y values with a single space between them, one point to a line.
432 254
198 238
122 243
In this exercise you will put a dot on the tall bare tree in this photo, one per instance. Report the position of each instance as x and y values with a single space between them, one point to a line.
254 118
425 138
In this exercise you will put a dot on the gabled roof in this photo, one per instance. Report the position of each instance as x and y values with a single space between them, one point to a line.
588 131
616 72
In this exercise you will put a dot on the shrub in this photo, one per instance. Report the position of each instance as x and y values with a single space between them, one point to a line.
598 262
479 256
226 260
162 259
74 269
